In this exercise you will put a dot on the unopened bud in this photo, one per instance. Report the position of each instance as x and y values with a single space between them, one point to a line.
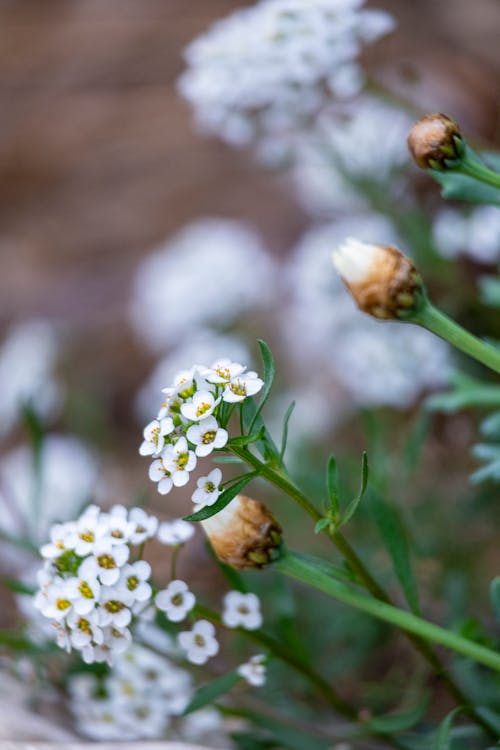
434 139
383 281
244 534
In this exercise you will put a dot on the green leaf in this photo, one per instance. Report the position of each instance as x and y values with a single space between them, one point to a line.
284 434
353 505
207 694
268 377
495 596
222 459
328 568
223 499
442 738
398 722
18 587
323 523
490 455
395 538
490 427
465 392
266 446
332 484
289 736
247 439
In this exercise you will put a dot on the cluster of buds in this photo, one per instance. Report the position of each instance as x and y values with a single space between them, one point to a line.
89 589
188 425
383 282
434 140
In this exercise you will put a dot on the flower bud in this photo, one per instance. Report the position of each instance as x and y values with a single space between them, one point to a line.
433 140
244 534
383 281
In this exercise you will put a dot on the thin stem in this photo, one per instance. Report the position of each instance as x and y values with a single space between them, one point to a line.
278 479
308 572
434 320
173 561
479 172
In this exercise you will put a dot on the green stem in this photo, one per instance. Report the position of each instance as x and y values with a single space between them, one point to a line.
307 572
478 171
434 320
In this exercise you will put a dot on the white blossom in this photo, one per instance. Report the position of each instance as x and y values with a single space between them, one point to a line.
145 525
241 611
208 489
176 600
254 670
135 579
242 386
223 371
207 436
105 562
84 593
179 461
154 436
200 407
158 472
115 607
199 643
475 234
175 532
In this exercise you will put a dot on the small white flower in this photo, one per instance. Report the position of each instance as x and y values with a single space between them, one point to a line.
254 671
145 525
154 436
175 532
207 436
89 529
199 643
84 593
176 600
62 537
201 406
134 578
241 610
179 461
355 260
118 639
114 607
105 562
242 386
118 527
159 473
208 488
84 631
54 602
223 370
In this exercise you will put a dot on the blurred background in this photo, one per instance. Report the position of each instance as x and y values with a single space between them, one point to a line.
111 199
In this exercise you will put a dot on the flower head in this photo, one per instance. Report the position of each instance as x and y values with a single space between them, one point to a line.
176 600
383 281
175 532
207 436
199 643
241 610
434 139
208 489
254 671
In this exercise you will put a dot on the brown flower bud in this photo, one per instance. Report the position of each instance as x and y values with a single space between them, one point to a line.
244 534
383 281
432 140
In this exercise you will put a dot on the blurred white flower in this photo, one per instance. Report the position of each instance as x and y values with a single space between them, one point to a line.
254 671
199 643
28 357
376 363
176 600
476 234
68 476
267 70
209 273
175 532
242 610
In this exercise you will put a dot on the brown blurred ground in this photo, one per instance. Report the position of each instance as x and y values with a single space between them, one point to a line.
98 160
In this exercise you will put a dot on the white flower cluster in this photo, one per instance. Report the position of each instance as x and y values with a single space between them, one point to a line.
141 698
476 235
266 70
89 588
187 426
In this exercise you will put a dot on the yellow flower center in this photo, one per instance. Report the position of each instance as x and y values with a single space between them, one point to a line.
202 408
62 604
132 583
84 625
85 590
87 536
114 606
238 388
182 460
208 437
199 640
106 561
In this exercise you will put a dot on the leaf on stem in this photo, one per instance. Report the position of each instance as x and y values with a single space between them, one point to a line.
442 738
284 434
332 484
353 505
398 722
247 439
269 373
395 538
223 499
207 694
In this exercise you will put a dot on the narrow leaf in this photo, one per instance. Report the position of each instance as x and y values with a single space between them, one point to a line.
247 439
223 499
332 483
268 376
18 587
284 435
323 523
398 722
353 505
495 596
207 694
395 539
442 737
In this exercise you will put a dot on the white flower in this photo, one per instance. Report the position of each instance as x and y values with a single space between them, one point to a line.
266 71
242 386
176 600
154 436
90 529
114 607
84 631
117 638
223 370
105 562
135 578
241 610
175 532
208 488
200 407
84 593
54 601
254 671
118 526
62 537
179 461
207 436
145 525
221 255
158 472
199 643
